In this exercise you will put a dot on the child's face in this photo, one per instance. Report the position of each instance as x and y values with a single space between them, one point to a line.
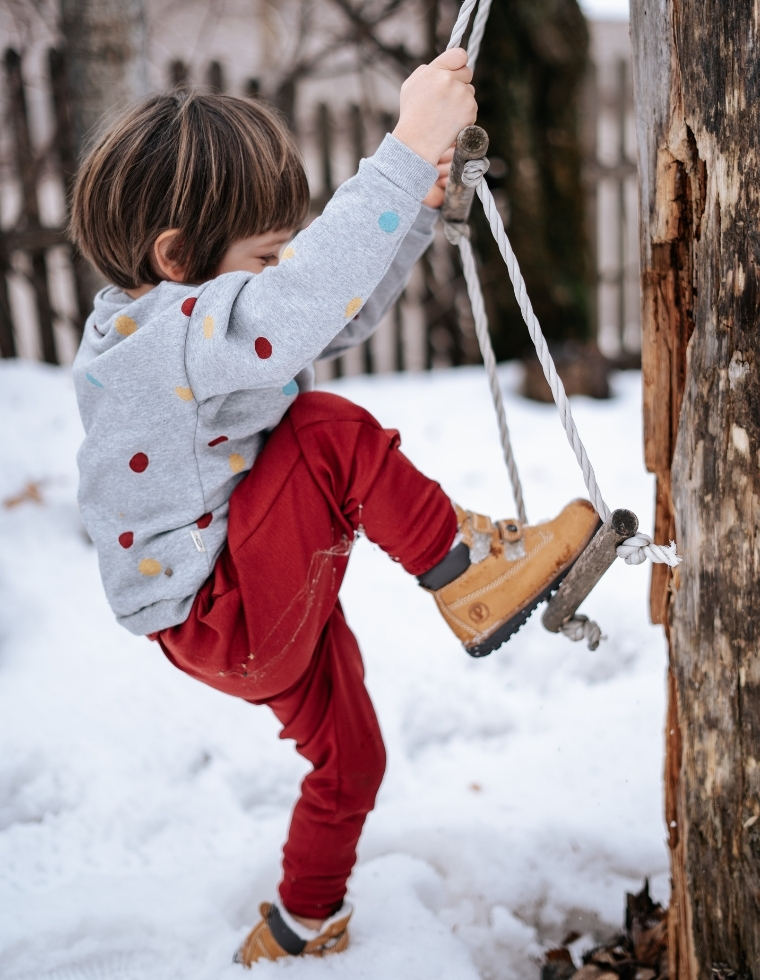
254 254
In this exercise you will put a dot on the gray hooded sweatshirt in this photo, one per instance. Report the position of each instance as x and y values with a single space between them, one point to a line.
178 389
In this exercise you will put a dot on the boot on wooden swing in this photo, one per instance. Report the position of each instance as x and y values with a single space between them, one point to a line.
497 574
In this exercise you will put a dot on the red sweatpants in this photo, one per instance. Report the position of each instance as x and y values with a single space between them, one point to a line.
267 625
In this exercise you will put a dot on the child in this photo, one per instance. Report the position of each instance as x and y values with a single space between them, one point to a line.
221 492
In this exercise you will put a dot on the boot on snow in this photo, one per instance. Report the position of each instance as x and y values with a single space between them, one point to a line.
493 579
278 935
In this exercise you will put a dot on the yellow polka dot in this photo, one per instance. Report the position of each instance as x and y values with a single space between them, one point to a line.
125 325
208 327
288 253
149 567
186 394
353 307
237 463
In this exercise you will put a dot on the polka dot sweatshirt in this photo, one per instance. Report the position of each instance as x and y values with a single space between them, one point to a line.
178 388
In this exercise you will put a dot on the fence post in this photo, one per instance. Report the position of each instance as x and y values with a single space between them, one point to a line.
324 133
356 127
589 124
622 107
7 341
27 169
179 76
215 77
85 279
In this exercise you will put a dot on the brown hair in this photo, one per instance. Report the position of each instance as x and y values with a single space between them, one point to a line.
217 168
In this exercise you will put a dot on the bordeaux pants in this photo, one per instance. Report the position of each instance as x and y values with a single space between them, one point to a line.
267 625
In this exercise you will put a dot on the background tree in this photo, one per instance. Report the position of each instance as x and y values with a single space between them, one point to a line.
529 81
106 55
105 66
697 91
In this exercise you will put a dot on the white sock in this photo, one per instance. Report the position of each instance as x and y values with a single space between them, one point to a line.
304 932
481 546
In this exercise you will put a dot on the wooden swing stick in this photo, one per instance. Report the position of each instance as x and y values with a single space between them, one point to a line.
592 564
472 144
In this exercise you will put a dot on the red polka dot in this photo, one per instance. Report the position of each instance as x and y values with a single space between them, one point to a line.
126 540
187 306
204 521
218 440
263 348
139 463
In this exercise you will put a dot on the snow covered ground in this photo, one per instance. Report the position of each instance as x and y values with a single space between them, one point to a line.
141 814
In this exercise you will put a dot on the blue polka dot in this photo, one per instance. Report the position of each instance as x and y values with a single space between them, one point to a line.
291 388
389 221
94 381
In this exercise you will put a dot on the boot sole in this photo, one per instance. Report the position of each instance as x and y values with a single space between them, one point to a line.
508 629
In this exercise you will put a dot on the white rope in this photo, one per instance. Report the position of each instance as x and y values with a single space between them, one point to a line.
461 25
476 35
582 628
489 359
542 349
636 550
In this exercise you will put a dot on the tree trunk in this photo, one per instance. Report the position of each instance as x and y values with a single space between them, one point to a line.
106 68
697 82
106 53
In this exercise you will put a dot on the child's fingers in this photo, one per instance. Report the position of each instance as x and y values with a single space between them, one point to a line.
454 59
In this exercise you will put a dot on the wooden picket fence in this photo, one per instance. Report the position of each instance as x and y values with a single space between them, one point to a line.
431 324
27 239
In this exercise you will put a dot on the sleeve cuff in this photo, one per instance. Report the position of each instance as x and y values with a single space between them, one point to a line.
404 167
426 219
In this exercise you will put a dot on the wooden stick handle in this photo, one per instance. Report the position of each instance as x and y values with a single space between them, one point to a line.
592 564
472 144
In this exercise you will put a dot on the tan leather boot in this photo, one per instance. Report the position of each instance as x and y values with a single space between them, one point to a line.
277 935
524 564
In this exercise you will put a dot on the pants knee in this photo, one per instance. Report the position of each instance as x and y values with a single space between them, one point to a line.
361 779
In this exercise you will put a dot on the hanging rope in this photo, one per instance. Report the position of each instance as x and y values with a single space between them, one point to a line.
636 549
582 628
476 34
481 329
460 26
542 348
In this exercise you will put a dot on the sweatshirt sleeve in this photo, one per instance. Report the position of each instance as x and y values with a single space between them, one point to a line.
393 283
259 331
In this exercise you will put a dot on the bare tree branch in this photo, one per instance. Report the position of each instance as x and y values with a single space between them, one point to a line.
364 34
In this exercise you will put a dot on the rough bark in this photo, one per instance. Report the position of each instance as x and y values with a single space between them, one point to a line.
529 82
696 83
106 53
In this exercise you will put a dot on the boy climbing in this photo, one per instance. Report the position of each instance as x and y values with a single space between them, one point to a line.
222 493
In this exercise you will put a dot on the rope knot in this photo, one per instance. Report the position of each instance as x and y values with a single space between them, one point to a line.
455 231
474 170
639 548
472 173
582 628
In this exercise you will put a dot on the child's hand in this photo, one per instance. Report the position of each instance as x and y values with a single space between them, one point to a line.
438 190
437 101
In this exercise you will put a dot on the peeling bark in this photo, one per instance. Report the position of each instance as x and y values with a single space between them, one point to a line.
697 89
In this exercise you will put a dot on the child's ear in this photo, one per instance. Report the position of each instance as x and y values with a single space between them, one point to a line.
166 266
